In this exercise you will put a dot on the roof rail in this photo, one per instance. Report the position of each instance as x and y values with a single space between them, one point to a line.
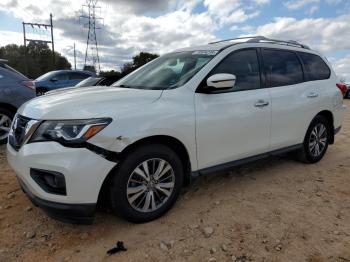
259 39
3 61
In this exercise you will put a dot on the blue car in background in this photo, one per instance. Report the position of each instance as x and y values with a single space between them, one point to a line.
60 79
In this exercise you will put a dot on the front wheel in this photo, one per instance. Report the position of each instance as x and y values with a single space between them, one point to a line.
316 140
146 183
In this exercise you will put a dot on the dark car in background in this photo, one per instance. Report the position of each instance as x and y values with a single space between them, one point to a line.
98 81
15 89
347 94
60 79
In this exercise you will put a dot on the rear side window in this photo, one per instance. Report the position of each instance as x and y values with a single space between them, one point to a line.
245 66
315 67
282 68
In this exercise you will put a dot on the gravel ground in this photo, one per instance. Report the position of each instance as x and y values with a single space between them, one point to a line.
272 210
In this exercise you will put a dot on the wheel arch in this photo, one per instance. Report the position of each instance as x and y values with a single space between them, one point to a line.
169 141
330 118
8 107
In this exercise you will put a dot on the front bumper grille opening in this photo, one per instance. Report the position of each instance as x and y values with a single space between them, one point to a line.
21 130
50 181
18 132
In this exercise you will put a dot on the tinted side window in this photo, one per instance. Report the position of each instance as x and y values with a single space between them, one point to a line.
244 65
282 68
74 76
63 76
315 67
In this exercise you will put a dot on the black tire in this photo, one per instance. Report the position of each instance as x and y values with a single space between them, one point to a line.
347 95
306 154
41 91
10 114
120 180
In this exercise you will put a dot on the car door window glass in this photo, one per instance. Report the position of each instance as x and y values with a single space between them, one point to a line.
61 77
315 67
245 66
76 76
282 68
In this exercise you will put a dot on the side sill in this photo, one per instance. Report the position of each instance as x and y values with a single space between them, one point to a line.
228 166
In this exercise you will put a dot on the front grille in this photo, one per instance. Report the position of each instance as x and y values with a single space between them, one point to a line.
18 131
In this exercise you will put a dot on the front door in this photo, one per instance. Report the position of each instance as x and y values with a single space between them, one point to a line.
233 124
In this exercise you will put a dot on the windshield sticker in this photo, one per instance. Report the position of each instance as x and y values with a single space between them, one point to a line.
205 52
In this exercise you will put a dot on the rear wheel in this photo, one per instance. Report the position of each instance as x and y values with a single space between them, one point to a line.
316 140
146 183
6 117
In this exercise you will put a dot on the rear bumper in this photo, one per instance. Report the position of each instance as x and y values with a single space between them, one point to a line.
68 213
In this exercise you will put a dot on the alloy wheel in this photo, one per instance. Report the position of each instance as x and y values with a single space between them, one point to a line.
5 125
318 140
150 185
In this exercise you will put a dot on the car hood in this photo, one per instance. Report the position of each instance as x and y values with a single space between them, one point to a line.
87 102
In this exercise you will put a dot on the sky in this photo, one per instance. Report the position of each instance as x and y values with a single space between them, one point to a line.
160 26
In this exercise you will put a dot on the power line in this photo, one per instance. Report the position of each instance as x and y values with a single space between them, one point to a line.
36 40
90 18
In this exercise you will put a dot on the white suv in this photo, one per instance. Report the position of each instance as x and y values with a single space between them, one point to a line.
194 111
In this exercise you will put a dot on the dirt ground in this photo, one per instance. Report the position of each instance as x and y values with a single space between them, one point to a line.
272 210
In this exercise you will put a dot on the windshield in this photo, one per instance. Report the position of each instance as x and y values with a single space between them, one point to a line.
90 81
169 71
46 76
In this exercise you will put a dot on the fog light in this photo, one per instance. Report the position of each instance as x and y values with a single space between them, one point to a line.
50 181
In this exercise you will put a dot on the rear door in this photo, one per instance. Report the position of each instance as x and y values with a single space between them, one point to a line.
233 124
294 101
76 77
60 80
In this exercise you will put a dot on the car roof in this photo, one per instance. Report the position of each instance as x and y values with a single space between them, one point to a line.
264 41
73 71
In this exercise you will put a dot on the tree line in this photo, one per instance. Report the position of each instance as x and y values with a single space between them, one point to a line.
39 60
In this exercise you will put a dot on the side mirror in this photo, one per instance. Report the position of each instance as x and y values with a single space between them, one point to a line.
221 81
54 79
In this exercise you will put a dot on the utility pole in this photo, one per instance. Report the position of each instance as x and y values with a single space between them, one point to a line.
91 52
46 26
25 49
75 59
53 45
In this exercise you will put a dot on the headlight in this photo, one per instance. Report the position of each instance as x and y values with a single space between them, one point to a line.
70 132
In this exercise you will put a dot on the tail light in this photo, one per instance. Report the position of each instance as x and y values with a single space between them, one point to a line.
29 84
343 88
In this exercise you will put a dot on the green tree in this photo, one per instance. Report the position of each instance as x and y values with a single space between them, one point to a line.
111 73
39 59
137 61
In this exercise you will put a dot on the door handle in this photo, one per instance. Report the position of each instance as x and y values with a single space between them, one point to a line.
261 103
312 95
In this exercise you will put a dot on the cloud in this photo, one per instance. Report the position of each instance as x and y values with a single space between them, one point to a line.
227 12
160 26
313 9
297 4
140 6
323 34
342 67
334 2
262 2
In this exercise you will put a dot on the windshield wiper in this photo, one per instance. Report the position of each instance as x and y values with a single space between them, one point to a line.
123 86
